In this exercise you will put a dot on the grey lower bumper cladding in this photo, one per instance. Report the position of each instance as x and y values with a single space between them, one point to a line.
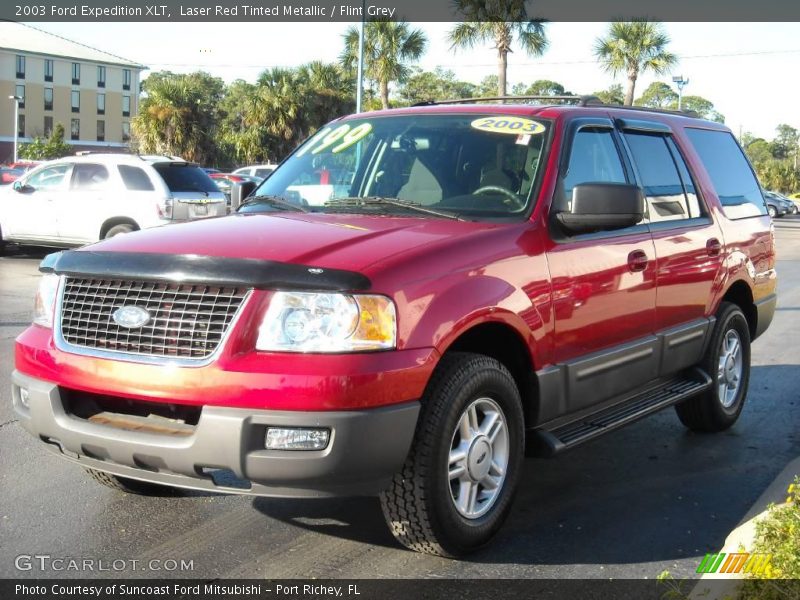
366 447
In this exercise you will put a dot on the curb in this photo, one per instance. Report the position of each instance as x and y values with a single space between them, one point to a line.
726 585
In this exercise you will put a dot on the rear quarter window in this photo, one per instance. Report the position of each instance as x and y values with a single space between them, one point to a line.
135 179
730 173
185 178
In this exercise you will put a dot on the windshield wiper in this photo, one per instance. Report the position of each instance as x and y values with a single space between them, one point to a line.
276 201
358 201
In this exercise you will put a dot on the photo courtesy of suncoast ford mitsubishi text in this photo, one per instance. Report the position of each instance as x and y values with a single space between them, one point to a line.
413 301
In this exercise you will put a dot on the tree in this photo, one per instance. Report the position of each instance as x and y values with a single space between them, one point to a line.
488 86
179 116
501 22
47 149
785 143
634 47
704 108
613 95
658 95
540 87
758 151
440 84
388 47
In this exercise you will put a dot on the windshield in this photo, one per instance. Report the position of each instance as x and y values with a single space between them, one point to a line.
471 165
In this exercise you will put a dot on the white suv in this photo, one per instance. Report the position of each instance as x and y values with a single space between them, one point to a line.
81 199
262 171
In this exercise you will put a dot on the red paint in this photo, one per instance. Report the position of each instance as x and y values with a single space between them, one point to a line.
564 300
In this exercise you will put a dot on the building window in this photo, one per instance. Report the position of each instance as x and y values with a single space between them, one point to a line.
48 98
76 73
19 92
126 106
75 129
76 101
126 131
21 125
126 79
101 104
48 126
101 77
101 131
48 69
20 67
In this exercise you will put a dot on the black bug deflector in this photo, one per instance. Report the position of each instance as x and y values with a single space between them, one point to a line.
211 270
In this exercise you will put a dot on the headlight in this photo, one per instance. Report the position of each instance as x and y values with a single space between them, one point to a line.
45 301
321 322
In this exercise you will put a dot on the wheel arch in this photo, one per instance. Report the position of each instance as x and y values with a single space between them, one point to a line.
740 294
114 221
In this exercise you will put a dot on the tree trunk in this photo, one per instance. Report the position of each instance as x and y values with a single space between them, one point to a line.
631 88
385 94
502 70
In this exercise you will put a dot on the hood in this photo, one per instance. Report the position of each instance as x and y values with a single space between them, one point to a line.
335 241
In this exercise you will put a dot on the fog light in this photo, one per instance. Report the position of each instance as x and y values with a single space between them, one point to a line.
280 438
23 397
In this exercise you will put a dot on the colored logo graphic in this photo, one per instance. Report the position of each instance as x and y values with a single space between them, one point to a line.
735 562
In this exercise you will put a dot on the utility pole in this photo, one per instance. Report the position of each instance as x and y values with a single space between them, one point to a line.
16 100
360 75
680 82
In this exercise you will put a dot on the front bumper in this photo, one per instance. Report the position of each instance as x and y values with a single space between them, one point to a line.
225 452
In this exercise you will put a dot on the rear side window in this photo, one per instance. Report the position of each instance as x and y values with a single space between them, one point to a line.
667 185
263 172
185 178
135 179
88 177
733 179
593 159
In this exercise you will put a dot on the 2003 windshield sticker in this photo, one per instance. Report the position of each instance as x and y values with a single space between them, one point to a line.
508 124
338 139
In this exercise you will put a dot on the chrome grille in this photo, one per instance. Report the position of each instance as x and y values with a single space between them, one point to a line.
187 320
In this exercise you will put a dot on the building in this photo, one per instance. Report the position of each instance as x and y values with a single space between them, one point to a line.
92 93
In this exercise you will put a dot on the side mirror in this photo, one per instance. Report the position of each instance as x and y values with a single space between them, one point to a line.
22 188
602 207
240 191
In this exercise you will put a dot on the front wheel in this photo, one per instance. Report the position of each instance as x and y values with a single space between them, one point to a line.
727 360
773 213
458 481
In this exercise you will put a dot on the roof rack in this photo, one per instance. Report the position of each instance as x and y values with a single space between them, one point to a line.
586 100
579 100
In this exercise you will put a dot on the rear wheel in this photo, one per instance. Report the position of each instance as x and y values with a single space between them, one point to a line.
119 229
131 486
727 360
458 481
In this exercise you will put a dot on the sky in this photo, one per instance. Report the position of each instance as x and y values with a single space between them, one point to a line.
748 70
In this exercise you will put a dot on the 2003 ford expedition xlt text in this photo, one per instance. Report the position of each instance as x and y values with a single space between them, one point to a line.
413 300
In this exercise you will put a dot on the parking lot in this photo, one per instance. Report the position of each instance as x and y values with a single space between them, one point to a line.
650 498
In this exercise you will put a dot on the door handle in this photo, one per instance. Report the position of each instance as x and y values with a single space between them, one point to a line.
637 261
713 247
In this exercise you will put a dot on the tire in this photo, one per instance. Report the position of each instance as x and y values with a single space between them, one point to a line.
793 210
118 230
773 213
420 505
131 486
718 408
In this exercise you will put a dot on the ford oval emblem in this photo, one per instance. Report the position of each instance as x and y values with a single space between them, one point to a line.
131 317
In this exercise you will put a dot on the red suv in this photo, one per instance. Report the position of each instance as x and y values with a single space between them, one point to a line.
474 281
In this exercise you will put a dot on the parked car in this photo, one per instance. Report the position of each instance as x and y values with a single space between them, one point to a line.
778 206
780 199
492 278
224 182
25 165
262 171
82 199
9 175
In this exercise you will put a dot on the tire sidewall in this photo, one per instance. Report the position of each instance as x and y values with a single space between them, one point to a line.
119 230
464 534
730 318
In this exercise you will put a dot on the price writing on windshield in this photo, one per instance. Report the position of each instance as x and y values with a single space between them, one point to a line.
338 139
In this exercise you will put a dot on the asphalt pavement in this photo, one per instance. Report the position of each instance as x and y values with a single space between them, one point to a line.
650 497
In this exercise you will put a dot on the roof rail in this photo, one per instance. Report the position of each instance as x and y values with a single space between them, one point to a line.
586 100
579 100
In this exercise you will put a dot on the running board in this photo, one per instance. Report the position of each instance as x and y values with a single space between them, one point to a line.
546 442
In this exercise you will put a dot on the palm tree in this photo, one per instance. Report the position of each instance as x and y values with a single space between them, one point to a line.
501 22
633 47
388 47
